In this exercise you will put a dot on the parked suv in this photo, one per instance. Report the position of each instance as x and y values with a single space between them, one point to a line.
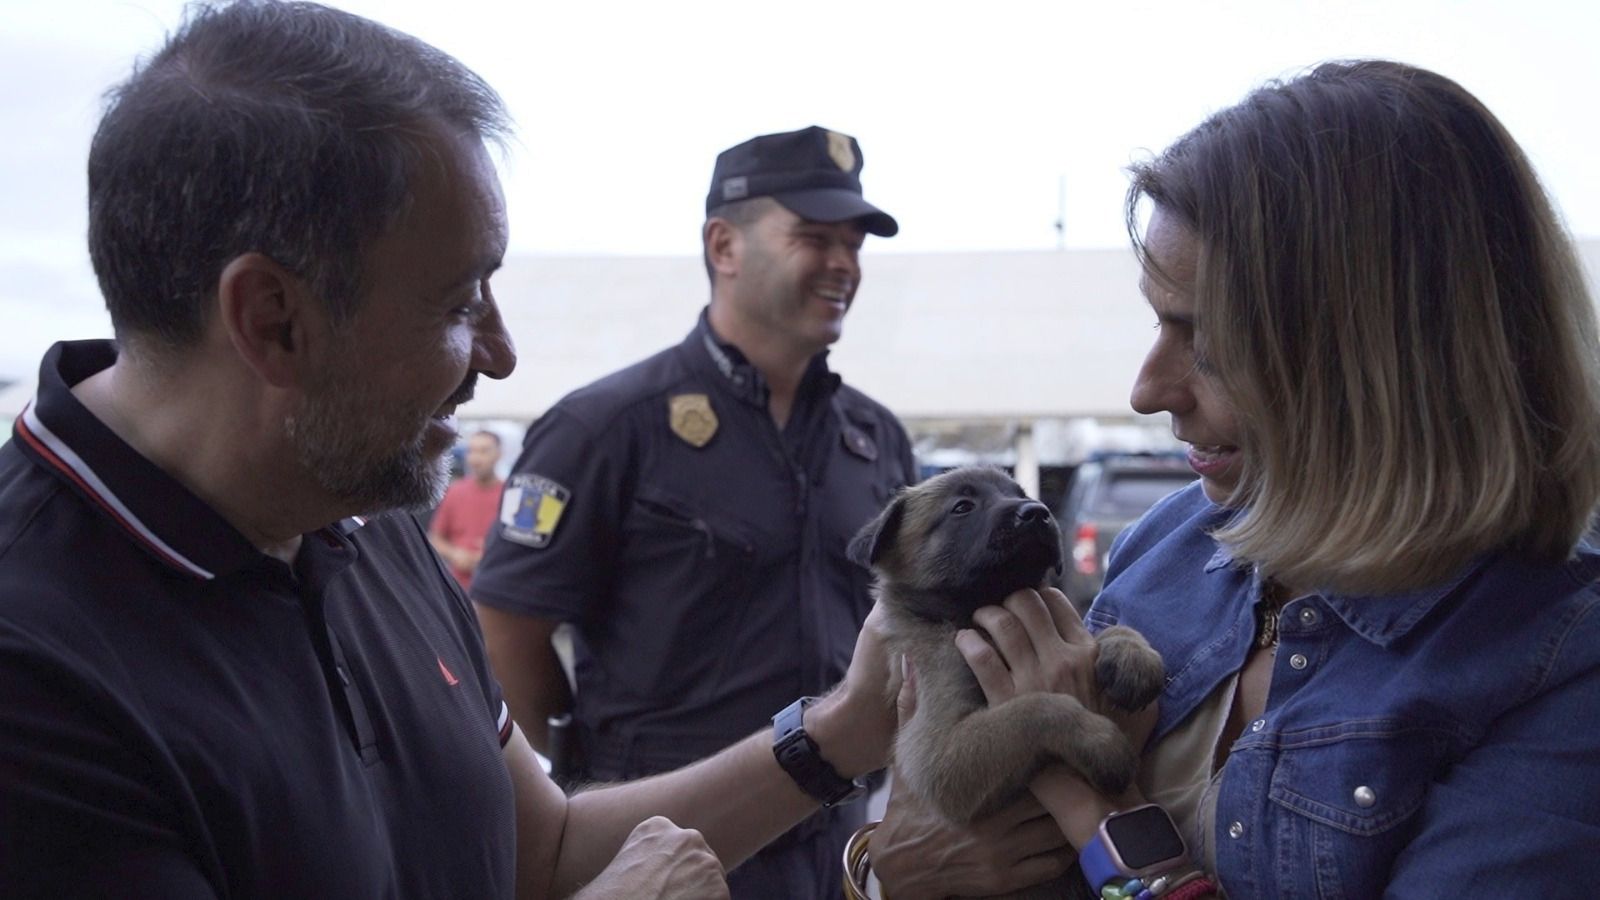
1104 496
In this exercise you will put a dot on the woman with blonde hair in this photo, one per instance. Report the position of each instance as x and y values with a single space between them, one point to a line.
1381 630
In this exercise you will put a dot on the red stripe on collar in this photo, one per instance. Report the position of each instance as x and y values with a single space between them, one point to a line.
55 451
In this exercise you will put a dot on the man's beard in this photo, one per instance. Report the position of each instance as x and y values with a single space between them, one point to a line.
359 455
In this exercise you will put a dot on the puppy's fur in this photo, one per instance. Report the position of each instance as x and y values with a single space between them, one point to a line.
940 550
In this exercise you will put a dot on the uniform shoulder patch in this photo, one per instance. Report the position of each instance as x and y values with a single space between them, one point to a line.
531 508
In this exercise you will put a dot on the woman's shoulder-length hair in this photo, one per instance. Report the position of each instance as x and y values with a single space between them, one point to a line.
1392 306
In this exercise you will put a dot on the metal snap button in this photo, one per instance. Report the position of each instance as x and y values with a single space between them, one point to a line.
1309 617
1365 797
1258 724
1236 830
1298 661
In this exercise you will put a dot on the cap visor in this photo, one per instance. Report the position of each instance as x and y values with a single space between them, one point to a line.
837 205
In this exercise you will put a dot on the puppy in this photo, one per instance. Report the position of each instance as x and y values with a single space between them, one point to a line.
940 550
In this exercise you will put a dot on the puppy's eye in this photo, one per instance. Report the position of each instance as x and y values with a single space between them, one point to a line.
963 507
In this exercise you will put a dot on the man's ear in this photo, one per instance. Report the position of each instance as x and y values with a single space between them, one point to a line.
877 536
722 242
266 312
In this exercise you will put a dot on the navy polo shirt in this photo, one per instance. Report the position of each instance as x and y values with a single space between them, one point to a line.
184 716
699 549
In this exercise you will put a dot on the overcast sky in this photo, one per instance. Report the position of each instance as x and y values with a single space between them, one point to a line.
975 120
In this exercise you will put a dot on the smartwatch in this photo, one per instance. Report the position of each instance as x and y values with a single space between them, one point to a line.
1135 843
798 754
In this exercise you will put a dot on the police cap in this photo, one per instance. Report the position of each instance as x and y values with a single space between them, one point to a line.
814 173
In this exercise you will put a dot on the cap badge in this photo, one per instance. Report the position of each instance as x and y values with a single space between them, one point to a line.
692 418
840 151
531 508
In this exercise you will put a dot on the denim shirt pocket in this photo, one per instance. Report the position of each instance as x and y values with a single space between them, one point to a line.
1352 793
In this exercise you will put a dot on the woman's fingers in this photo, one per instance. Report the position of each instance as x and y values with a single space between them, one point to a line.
1067 621
1042 644
987 666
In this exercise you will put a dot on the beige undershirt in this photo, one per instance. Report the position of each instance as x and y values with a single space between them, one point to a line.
1183 772
1176 773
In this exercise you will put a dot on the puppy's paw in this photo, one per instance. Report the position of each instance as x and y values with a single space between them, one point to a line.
1128 670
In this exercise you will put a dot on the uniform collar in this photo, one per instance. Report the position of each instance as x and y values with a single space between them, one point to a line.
1381 619
151 507
742 378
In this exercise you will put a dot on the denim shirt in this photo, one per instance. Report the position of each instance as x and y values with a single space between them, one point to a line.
1443 742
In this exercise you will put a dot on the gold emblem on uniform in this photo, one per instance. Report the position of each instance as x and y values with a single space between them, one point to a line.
692 418
841 151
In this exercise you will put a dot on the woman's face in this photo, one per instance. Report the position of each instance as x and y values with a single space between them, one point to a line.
1172 379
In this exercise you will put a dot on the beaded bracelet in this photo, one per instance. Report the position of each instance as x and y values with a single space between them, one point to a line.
1189 886
1193 890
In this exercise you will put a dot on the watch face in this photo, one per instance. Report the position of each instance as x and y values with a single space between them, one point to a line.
1144 836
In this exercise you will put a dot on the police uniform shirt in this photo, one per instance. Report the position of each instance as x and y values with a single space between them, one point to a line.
699 550
184 716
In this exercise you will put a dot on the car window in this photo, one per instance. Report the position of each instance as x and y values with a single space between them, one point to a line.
1130 494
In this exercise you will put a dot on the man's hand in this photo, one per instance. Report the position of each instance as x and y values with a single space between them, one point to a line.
855 724
660 860
916 853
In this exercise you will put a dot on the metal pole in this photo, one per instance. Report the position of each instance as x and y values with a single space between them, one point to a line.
1027 468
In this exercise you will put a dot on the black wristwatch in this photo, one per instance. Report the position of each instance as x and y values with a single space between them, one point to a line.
797 753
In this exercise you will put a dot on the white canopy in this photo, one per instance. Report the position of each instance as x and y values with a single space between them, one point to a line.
959 336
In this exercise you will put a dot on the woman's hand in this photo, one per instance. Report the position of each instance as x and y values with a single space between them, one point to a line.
1039 644
918 853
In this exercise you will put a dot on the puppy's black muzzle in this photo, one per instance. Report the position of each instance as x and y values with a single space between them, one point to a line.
1025 535
1032 519
1032 512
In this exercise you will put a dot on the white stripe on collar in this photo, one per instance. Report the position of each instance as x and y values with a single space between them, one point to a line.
92 482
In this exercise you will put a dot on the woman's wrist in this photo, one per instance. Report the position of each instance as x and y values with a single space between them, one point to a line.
1077 808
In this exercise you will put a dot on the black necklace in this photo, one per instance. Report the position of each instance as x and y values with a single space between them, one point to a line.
1273 597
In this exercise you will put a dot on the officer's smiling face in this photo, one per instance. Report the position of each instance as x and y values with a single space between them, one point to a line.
378 412
798 278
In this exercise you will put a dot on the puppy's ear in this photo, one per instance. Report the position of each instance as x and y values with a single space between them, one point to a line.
869 544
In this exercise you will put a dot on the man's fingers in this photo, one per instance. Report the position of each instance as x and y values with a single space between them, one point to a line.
906 698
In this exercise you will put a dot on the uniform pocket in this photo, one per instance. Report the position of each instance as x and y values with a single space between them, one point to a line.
686 579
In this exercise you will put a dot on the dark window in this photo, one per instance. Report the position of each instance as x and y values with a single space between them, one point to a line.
1131 494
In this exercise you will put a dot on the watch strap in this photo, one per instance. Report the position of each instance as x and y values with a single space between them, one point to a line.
799 756
1098 866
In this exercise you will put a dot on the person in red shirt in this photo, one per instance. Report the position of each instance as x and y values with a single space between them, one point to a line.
469 507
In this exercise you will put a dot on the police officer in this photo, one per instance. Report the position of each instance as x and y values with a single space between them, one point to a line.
689 514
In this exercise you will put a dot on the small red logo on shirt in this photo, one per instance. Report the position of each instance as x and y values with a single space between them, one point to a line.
448 678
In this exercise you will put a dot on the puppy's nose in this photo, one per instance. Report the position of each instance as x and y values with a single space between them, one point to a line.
1033 511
